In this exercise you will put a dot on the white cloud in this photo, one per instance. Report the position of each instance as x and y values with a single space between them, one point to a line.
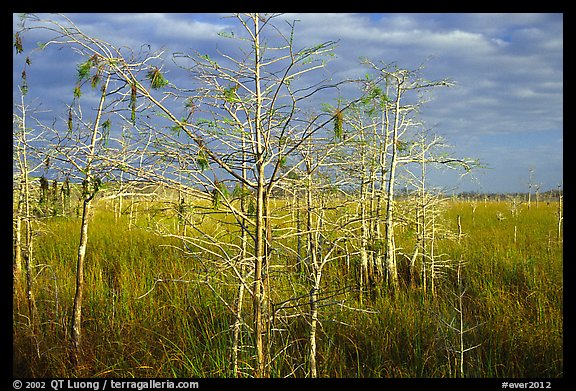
508 67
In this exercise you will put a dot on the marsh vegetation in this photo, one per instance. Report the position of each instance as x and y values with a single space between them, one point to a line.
251 225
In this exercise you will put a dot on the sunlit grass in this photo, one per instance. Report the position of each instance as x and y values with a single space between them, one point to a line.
148 313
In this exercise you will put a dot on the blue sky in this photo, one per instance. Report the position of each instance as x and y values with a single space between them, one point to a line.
506 108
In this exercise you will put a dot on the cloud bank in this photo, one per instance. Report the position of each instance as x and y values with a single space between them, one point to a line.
506 108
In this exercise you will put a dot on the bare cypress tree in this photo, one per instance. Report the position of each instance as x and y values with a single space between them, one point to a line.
256 100
427 150
80 146
457 326
92 187
238 321
368 138
254 105
23 247
320 249
398 120
560 214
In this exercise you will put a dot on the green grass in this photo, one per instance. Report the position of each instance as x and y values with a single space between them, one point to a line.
514 292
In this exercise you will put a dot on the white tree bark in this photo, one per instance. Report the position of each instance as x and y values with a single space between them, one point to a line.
76 325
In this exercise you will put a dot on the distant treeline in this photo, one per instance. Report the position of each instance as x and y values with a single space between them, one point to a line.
550 195
59 191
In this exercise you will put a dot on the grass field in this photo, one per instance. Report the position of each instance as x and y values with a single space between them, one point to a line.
152 311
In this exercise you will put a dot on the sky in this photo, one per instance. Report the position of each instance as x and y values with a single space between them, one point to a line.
505 109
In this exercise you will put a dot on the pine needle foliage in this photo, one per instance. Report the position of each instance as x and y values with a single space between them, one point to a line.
24 85
202 160
219 192
338 121
156 78
133 101
230 95
18 43
70 122
84 70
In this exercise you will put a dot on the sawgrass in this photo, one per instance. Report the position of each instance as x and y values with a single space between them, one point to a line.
152 311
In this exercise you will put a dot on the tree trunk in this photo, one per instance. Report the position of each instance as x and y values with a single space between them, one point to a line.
422 225
365 277
17 263
260 240
32 310
316 278
238 314
314 318
296 207
391 270
259 291
243 256
28 257
76 325
560 215
24 252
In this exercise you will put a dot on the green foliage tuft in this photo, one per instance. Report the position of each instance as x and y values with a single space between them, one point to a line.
156 78
218 193
240 191
18 43
177 128
95 80
24 85
375 97
202 160
69 122
77 91
338 121
133 101
84 70
230 95
106 131
210 61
